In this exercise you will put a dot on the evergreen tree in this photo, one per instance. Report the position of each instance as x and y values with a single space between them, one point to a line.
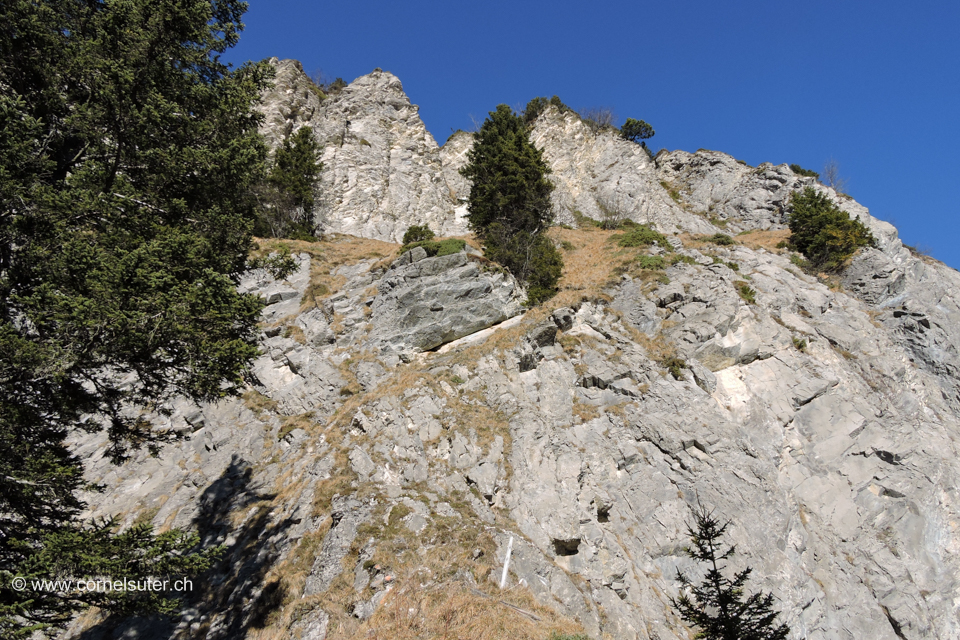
719 609
127 156
418 233
636 131
823 232
509 206
287 198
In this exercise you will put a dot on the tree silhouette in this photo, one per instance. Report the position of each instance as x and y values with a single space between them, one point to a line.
719 608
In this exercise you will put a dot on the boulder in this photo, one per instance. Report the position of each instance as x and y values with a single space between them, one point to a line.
425 303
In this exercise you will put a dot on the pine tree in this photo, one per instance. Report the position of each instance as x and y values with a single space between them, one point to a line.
287 196
719 608
825 234
636 131
128 152
509 206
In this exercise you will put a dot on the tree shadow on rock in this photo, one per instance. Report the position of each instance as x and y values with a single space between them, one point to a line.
231 597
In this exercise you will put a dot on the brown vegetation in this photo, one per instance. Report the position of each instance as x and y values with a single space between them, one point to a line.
771 239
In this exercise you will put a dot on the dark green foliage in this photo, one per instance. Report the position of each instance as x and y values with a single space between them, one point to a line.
721 239
675 366
636 131
681 258
584 221
748 294
651 262
532 259
510 206
672 191
336 86
823 233
128 154
719 608
641 236
538 105
286 197
800 344
436 248
418 233
800 171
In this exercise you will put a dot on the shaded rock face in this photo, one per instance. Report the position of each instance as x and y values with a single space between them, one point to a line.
824 423
382 169
424 302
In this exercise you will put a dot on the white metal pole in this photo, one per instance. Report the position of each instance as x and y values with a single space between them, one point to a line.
506 563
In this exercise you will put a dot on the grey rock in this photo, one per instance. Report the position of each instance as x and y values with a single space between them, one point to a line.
837 465
347 515
382 168
484 476
423 304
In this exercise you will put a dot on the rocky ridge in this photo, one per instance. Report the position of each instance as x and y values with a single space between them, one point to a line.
368 462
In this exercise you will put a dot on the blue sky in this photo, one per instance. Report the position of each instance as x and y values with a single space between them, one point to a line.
873 85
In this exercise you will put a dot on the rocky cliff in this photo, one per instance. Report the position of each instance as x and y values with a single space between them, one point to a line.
382 168
407 418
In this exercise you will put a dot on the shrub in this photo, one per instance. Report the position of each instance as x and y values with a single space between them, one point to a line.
286 197
436 248
545 269
674 366
823 233
642 236
584 221
800 171
748 294
651 262
613 214
681 258
721 239
800 344
671 190
538 105
418 233
598 118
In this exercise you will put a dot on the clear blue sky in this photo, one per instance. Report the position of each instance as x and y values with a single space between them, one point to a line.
874 85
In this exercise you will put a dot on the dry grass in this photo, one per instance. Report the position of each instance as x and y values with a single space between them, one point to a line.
586 412
290 423
591 267
765 239
295 333
258 403
427 570
460 613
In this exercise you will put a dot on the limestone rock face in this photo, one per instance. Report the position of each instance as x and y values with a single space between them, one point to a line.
715 184
382 170
453 155
600 174
291 102
821 417
595 174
